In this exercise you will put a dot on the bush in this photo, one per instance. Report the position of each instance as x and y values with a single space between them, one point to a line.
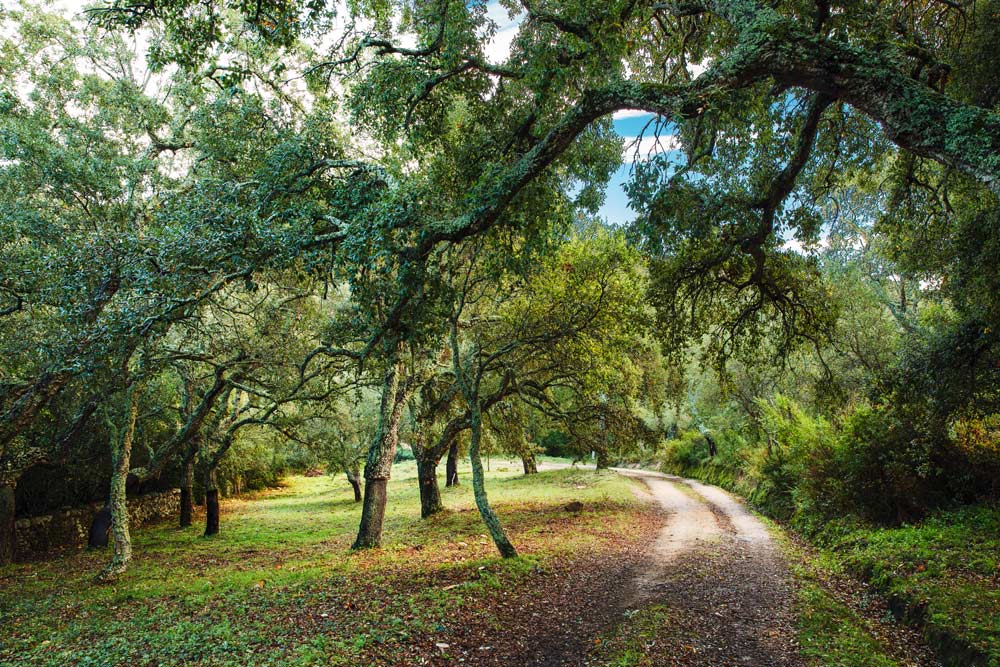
555 443
685 453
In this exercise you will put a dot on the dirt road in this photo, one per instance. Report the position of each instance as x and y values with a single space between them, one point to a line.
721 578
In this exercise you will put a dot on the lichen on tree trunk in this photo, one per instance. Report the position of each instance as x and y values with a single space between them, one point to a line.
378 466
490 518
187 492
122 435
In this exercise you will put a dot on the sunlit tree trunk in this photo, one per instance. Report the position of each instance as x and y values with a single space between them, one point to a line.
490 518
378 466
122 436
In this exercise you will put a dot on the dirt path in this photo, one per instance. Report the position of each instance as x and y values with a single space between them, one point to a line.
721 578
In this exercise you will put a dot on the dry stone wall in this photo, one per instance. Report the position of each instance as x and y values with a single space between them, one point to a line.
67 529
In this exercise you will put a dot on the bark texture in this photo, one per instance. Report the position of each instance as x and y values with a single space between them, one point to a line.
603 460
187 493
121 455
211 503
372 514
490 518
354 477
430 493
378 466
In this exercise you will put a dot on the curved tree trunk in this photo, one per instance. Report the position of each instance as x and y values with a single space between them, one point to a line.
451 467
378 466
430 493
211 503
121 455
490 518
8 536
529 463
354 477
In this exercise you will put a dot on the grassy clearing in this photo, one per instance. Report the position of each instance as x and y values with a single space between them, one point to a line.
280 587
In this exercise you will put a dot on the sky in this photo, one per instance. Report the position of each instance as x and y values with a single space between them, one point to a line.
628 124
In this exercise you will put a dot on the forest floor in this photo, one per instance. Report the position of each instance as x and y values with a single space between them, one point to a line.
651 571
279 585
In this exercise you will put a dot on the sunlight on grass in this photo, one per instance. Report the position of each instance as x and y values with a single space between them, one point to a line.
289 547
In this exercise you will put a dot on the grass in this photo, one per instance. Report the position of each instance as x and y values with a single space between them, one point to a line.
831 631
279 585
943 574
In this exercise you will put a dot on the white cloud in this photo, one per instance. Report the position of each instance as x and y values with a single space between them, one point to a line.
497 50
629 113
641 149
695 69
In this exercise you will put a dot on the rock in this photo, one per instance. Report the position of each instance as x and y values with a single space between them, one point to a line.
575 506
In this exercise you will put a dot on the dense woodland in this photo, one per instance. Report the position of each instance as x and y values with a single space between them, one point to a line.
239 239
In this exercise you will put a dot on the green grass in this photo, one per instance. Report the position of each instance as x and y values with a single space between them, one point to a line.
943 574
279 585
830 632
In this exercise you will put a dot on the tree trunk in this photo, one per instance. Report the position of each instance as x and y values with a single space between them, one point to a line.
372 514
100 526
8 535
603 461
451 467
353 476
378 466
121 455
187 492
211 503
490 518
712 449
529 463
430 493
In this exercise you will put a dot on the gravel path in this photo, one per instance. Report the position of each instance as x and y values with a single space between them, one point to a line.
721 578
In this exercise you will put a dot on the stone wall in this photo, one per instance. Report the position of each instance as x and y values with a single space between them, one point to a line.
67 529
